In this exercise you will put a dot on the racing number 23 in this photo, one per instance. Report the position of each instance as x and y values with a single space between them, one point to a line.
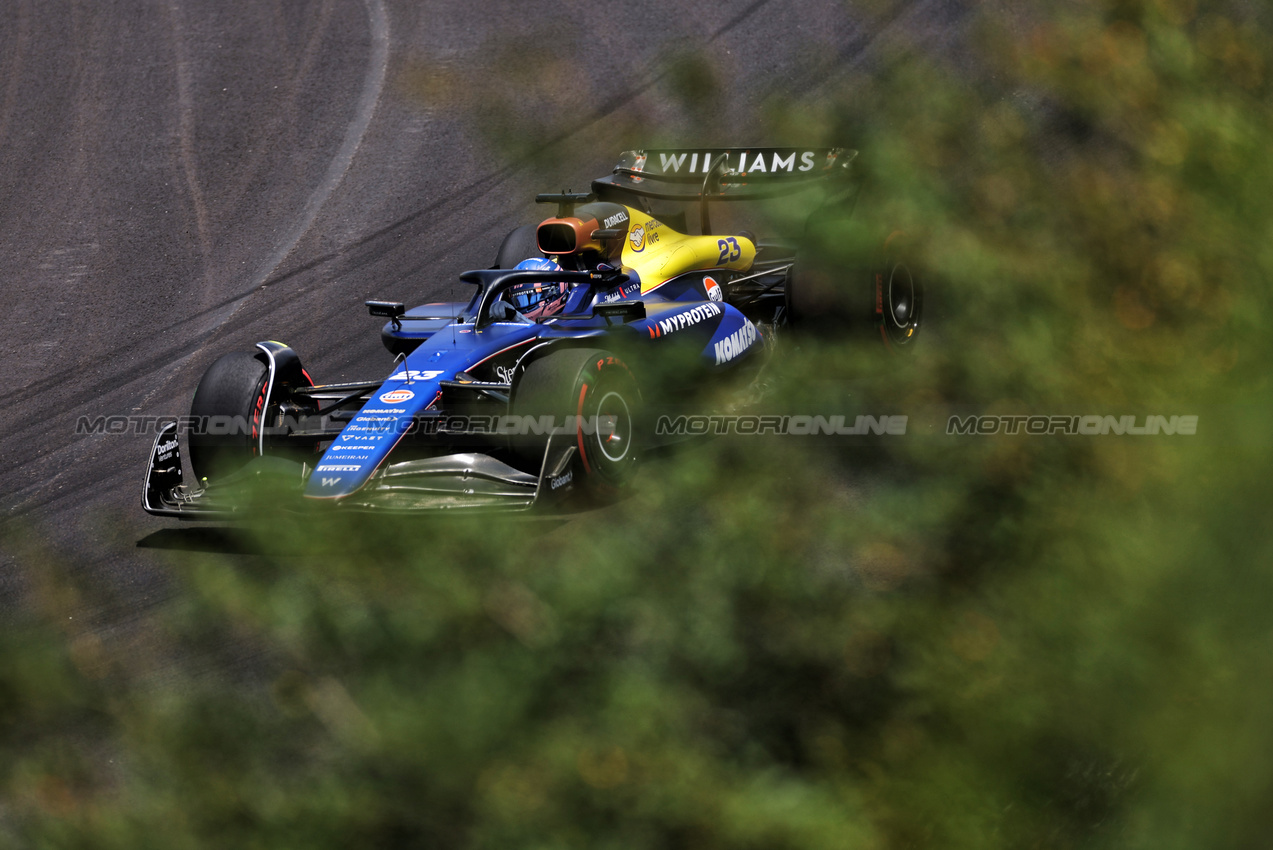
730 250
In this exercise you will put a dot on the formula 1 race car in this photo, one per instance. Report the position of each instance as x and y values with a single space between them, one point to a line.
544 381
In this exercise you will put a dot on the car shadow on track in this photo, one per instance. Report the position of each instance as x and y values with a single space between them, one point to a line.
229 540
213 540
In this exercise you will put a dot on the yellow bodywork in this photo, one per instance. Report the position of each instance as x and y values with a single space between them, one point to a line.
657 252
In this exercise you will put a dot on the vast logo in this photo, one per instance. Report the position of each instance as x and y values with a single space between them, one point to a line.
396 396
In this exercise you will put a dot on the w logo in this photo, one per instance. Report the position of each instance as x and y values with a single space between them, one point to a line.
330 482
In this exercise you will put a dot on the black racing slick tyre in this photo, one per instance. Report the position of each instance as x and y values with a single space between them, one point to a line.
883 297
228 413
594 395
898 290
521 244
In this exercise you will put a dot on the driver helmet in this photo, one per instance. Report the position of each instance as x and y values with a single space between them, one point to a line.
535 300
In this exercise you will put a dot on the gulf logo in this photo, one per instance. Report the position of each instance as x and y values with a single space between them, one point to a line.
396 396
713 289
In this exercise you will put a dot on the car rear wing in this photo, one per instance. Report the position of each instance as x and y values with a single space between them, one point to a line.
727 174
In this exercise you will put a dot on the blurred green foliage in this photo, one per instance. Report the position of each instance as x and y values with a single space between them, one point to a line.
918 642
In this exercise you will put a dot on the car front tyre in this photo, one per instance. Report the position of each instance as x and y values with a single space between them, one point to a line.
594 395
228 413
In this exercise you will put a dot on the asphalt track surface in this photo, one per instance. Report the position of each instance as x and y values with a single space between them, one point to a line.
180 179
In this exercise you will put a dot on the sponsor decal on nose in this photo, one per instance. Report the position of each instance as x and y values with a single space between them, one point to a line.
396 396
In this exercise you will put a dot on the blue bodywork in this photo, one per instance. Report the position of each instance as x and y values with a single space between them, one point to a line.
455 341
453 358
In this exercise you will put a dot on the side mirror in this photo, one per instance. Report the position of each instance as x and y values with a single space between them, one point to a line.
391 310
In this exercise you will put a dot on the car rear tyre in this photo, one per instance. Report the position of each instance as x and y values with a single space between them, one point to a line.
521 244
885 298
898 289
594 393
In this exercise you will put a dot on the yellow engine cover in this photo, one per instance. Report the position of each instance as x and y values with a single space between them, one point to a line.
658 253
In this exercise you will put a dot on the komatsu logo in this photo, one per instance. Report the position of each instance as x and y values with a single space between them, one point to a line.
761 162
736 343
687 318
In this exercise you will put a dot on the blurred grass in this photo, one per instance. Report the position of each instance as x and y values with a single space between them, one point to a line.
1010 641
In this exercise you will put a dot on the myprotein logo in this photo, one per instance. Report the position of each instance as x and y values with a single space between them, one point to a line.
684 319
